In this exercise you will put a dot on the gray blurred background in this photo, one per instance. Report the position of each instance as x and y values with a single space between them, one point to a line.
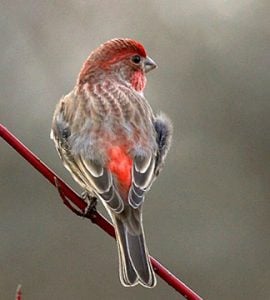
207 216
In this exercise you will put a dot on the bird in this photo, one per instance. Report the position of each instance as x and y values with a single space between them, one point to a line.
114 146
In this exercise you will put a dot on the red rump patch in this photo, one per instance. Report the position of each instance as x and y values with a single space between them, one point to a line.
120 165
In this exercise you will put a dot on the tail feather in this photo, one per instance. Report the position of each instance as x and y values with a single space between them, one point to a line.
134 263
127 271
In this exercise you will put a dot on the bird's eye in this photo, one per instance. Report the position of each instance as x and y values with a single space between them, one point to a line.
136 59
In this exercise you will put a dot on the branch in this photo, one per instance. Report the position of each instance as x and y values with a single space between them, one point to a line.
73 201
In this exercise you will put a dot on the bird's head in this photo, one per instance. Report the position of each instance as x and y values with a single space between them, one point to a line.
121 59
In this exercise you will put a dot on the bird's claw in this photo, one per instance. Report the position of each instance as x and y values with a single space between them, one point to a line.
91 201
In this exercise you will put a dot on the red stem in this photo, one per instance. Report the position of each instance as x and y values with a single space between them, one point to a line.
95 217
19 293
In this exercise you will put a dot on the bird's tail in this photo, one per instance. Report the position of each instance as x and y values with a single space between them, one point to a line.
134 262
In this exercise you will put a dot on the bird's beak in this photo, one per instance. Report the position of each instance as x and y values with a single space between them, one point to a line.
149 64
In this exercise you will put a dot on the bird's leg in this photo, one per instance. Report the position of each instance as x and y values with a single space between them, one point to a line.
91 203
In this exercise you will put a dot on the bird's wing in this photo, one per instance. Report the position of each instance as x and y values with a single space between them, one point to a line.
164 130
101 182
146 169
90 174
142 177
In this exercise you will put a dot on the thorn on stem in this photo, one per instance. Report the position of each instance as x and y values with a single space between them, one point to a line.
66 201
90 211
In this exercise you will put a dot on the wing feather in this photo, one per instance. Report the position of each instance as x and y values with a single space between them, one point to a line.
146 169
142 177
88 173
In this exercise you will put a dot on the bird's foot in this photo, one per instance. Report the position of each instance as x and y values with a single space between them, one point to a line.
91 201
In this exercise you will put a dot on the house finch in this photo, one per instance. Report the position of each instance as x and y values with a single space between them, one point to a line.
114 146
